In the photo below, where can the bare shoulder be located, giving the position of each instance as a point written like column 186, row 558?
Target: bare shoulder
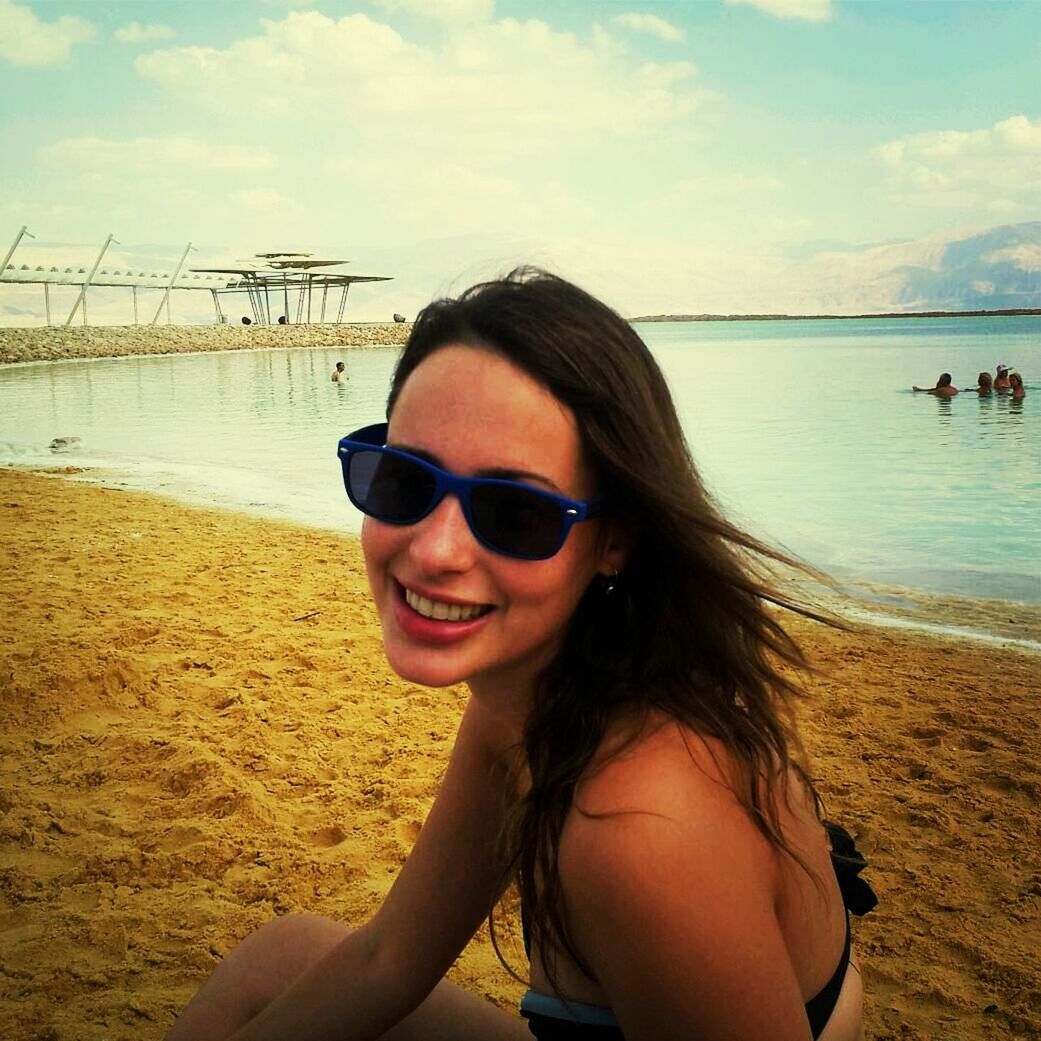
column 664, row 769
column 668, row 791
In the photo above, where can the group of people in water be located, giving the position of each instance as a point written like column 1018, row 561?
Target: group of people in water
column 1003, row 382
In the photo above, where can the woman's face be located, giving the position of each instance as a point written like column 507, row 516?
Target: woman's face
column 474, row 413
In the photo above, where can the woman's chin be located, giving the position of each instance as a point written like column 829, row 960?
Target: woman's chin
column 423, row 665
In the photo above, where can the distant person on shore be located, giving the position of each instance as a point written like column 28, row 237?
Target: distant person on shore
column 247, row 320
column 282, row 320
column 943, row 388
column 984, row 384
column 1016, row 386
column 1001, row 381
column 339, row 373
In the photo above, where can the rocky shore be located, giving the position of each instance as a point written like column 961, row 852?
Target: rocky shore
column 57, row 344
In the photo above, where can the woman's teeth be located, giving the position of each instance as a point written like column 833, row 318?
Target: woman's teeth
column 443, row 612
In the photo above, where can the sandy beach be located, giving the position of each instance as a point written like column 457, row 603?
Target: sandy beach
column 200, row 732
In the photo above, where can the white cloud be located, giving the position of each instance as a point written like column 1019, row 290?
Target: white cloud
column 308, row 57
column 135, row 32
column 1018, row 134
column 1026, row 256
column 806, row 10
column 448, row 11
column 506, row 86
column 151, row 156
column 26, row 41
column 650, row 23
column 997, row 168
column 353, row 129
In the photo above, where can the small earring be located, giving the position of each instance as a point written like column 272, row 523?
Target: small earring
column 609, row 586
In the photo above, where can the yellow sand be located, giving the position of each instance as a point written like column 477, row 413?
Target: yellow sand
column 199, row 732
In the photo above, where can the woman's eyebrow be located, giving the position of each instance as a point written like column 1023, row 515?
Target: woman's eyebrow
column 501, row 473
column 419, row 453
column 506, row 474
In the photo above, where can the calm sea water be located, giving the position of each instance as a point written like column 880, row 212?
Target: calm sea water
column 807, row 432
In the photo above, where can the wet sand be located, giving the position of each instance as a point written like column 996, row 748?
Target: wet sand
column 200, row 732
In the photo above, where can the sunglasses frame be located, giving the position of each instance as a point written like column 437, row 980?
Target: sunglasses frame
column 374, row 437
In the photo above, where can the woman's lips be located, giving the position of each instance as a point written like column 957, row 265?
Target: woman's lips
column 413, row 612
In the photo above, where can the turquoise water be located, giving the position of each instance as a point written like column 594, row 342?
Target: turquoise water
column 807, row 431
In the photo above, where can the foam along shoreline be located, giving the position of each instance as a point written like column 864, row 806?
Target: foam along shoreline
column 200, row 732
column 956, row 632
column 997, row 622
column 60, row 343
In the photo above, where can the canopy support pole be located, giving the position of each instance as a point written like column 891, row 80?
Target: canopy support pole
column 166, row 292
column 82, row 298
column 23, row 230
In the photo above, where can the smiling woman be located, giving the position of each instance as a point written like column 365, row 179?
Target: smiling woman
column 536, row 529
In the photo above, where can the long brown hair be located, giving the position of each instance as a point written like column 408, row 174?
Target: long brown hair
column 688, row 631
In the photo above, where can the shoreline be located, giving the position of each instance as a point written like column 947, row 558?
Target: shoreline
column 56, row 343
column 998, row 622
column 201, row 732
column 1010, row 312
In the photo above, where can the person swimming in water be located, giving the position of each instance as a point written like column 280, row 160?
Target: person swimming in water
column 1016, row 386
column 535, row 528
column 943, row 388
column 1001, row 380
column 984, row 384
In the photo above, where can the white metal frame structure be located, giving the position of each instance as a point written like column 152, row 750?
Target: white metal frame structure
column 285, row 274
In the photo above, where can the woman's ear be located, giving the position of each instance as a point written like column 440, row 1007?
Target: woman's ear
column 614, row 549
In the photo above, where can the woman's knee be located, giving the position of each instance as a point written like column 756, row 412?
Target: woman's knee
column 287, row 946
column 253, row 973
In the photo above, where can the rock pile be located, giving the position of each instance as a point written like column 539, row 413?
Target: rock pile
column 57, row 344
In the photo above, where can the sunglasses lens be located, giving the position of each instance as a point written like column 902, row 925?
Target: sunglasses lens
column 389, row 487
column 516, row 521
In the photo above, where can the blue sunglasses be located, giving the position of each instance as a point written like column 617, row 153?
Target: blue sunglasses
column 509, row 517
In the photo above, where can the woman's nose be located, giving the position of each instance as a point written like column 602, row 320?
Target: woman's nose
column 442, row 540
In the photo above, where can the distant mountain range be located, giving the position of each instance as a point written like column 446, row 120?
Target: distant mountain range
column 996, row 269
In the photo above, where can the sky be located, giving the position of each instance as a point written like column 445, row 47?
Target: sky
column 671, row 155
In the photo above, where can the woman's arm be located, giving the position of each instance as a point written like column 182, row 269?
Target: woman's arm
column 670, row 894
column 384, row 969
